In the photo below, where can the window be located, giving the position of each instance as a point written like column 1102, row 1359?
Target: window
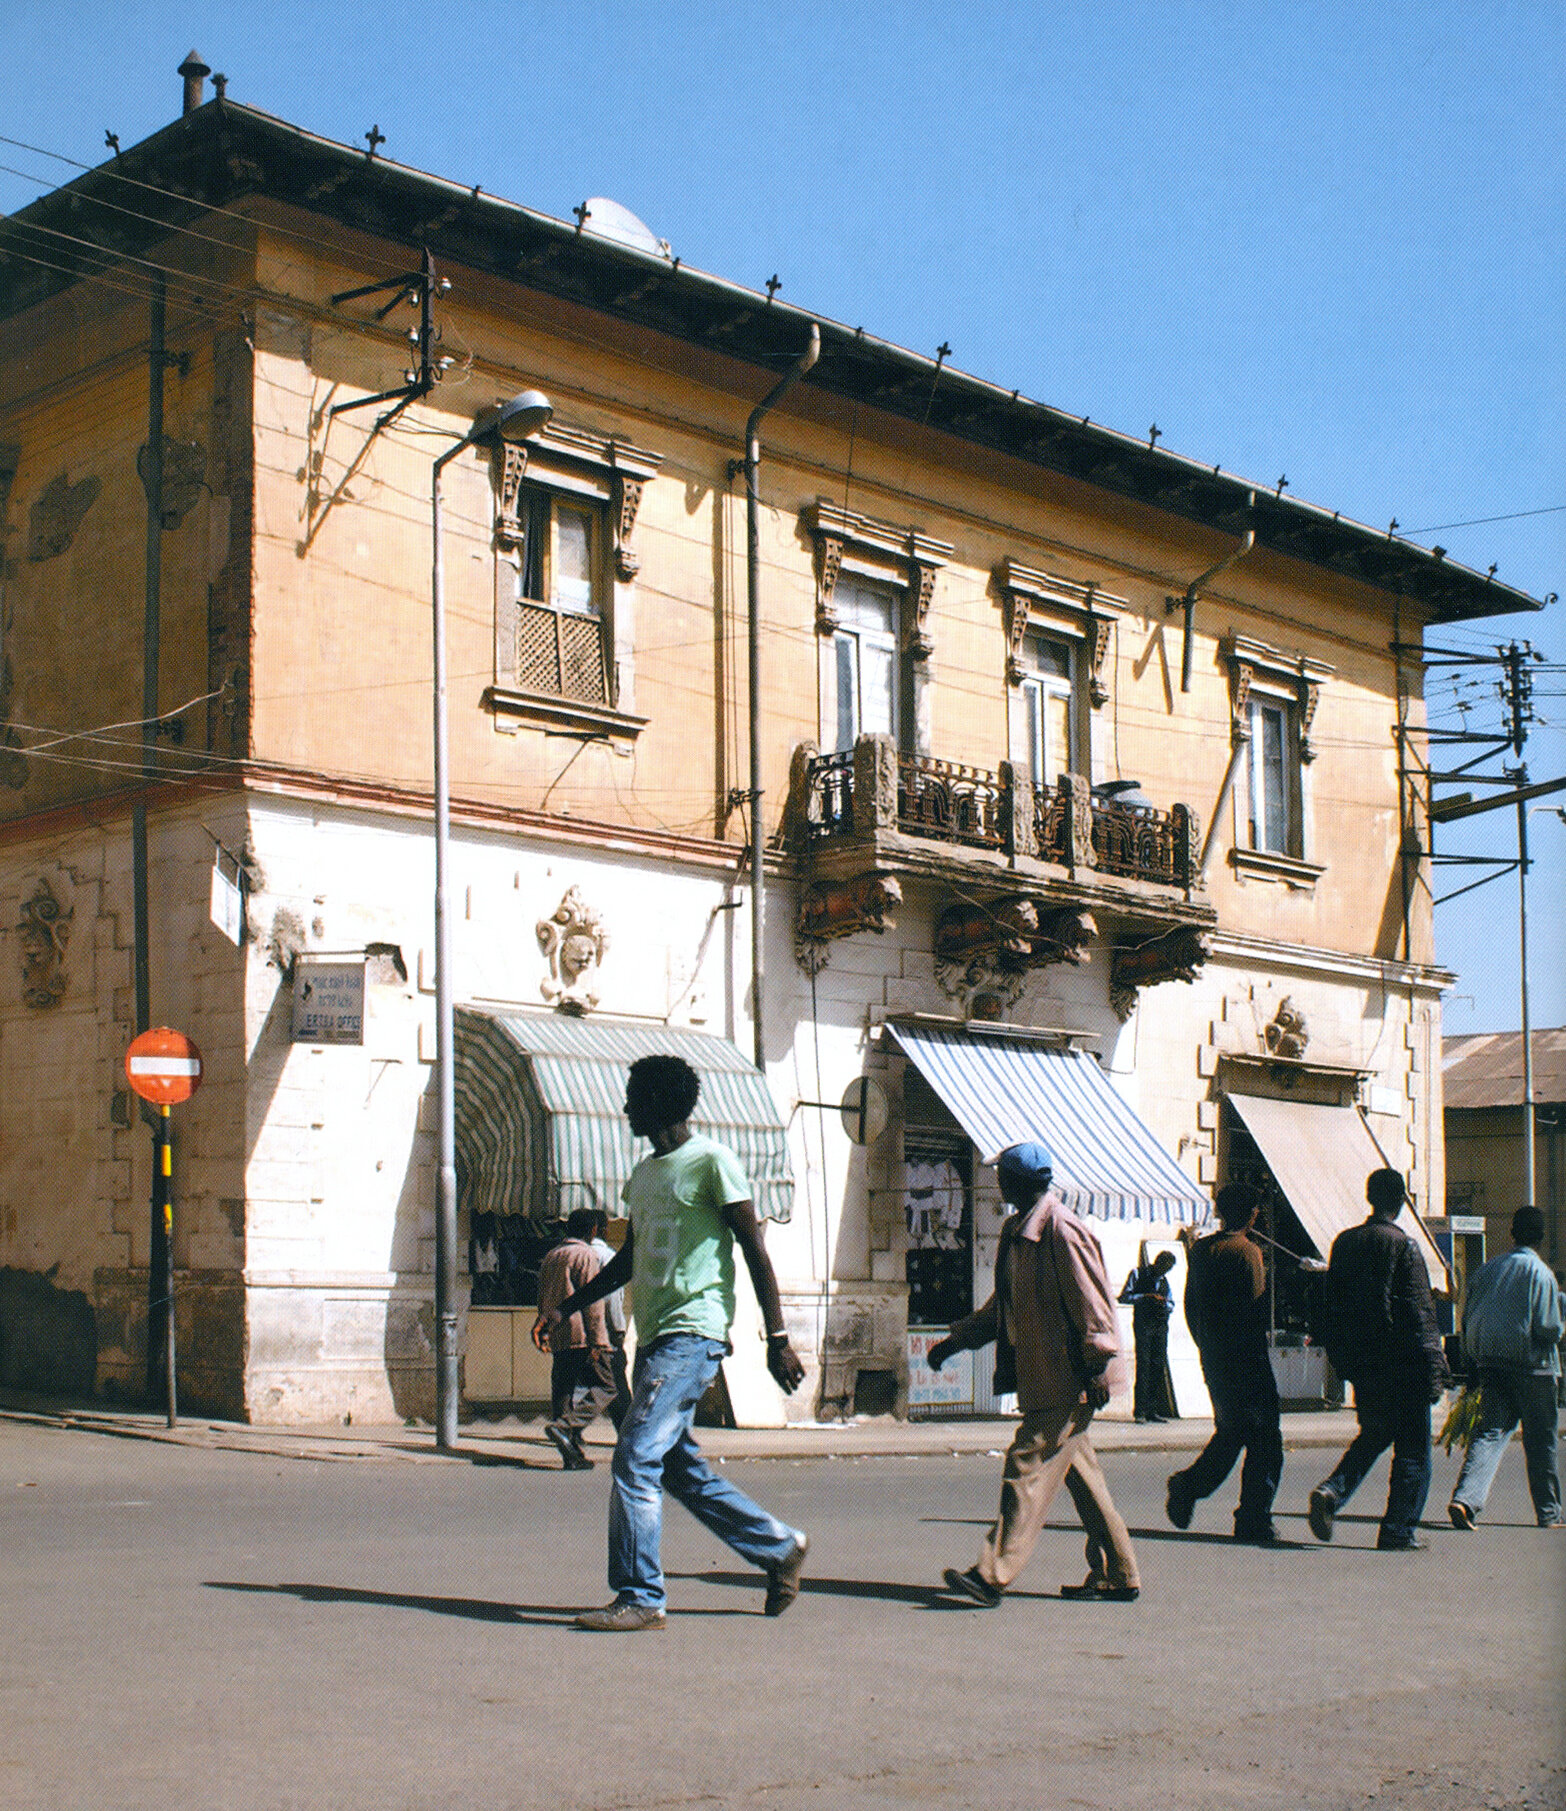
column 564, row 582
column 561, row 644
column 875, row 582
column 1273, row 697
column 1274, row 777
column 866, row 666
column 1058, row 634
column 1048, row 697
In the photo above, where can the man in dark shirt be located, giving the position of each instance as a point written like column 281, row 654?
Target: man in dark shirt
column 1382, row 1336
column 1226, row 1310
column 1148, row 1296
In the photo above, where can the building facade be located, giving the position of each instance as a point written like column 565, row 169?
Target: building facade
column 1086, row 793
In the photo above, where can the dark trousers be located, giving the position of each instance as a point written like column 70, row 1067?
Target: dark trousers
column 578, row 1393
column 1395, row 1414
column 1245, row 1418
column 1151, row 1394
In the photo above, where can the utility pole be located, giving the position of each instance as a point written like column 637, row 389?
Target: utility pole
column 1518, row 693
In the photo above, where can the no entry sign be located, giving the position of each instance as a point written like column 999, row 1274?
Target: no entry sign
column 163, row 1066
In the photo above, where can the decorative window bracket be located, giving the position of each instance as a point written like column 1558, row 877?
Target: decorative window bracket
column 1253, row 663
column 1042, row 601
column 903, row 556
column 592, row 465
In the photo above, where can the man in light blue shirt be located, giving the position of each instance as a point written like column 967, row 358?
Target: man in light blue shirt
column 1512, row 1324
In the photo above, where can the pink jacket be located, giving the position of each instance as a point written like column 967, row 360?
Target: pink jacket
column 564, row 1270
column 1055, row 1306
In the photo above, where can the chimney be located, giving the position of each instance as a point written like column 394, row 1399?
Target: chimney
column 195, row 73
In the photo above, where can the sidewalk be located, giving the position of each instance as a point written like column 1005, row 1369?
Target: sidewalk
column 521, row 1439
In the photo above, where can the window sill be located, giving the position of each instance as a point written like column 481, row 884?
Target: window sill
column 546, row 711
column 1265, row 864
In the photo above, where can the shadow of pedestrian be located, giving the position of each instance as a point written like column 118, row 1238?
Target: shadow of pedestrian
column 920, row 1597
column 1198, row 1538
column 472, row 1609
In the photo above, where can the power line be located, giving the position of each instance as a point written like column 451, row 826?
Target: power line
column 1520, row 515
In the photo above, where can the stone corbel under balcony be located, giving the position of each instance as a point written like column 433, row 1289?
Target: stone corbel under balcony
column 835, row 908
column 1177, row 955
column 991, row 947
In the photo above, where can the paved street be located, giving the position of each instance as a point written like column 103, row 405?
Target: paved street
column 201, row 1627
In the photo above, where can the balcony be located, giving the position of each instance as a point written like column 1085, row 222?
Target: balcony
column 916, row 812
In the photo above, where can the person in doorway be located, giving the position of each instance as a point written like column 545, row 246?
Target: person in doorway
column 1147, row 1294
column 1381, row 1336
column 1052, row 1319
column 581, row 1381
column 1226, row 1310
column 614, row 1317
column 1512, row 1327
column 689, row 1204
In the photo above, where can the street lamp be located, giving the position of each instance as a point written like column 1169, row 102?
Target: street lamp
column 519, row 419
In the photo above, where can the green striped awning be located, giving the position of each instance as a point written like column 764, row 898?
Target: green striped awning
column 541, row 1112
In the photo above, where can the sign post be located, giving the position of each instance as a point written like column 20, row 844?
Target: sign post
column 164, row 1067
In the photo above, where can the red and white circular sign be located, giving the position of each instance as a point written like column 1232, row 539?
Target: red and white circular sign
column 163, row 1066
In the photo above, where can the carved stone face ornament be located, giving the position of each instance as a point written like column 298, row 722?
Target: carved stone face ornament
column 574, row 941
column 43, row 932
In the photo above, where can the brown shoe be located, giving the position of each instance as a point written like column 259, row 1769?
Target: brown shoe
column 783, row 1578
column 622, row 1619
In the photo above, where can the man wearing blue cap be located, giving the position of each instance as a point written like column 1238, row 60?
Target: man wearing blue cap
column 1052, row 1318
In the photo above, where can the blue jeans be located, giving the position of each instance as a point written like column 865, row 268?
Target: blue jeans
column 1509, row 1395
column 656, row 1452
column 1396, row 1414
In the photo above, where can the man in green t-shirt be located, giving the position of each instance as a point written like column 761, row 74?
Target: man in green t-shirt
column 688, row 1204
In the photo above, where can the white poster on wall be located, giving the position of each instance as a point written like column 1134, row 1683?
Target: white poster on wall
column 329, row 1000
column 951, row 1387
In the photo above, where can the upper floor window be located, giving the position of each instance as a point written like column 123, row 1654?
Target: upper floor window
column 1048, row 696
column 564, row 585
column 1273, row 698
column 562, row 622
column 1274, row 816
column 1058, row 634
column 874, row 584
column 866, row 664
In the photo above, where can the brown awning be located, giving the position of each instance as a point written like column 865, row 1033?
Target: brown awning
column 1320, row 1156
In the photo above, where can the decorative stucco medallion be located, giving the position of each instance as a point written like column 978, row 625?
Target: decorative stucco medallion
column 574, row 942
column 43, row 931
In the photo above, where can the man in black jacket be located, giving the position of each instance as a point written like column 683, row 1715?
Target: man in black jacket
column 1382, row 1336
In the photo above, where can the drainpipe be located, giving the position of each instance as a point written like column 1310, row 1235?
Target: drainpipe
column 752, row 590
column 1188, row 602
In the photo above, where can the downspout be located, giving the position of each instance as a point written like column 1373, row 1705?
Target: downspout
column 1188, row 602
column 752, row 588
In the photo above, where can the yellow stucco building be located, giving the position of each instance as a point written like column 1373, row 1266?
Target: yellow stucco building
column 1088, row 790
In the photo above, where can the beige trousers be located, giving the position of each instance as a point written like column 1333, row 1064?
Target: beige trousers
column 1049, row 1449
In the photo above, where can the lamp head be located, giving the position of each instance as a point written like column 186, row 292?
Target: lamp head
column 520, row 418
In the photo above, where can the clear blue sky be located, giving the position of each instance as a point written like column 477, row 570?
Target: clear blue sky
column 1322, row 241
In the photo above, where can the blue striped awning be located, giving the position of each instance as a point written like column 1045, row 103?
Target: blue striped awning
column 1005, row 1091
column 540, row 1102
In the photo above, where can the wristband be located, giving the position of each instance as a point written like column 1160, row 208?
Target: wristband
column 778, row 1338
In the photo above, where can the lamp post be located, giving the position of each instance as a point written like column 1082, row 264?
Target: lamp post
column 519, row 419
